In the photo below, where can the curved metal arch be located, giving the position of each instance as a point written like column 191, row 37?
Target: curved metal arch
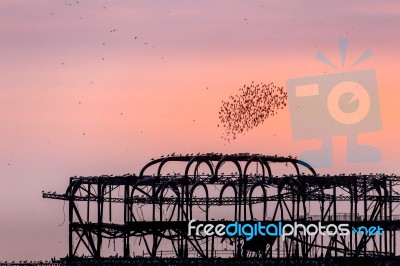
column 148, row 165
column 203, row 185
column 172, row 184
column 70, row 187
column 201, row 160
column 302, row 163
column 160, row 166
column 138, row 183
column 228, row 159
column 73, row 187
column 255, row 159
column 133, row 189
column 160, row 160
column 252, row 188
column 233, row 186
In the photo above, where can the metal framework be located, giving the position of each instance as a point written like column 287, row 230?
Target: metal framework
column 122, row 215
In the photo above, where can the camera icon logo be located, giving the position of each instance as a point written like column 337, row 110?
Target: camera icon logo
column 344, row 103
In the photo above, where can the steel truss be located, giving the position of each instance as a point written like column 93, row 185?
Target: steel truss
column 153, row 208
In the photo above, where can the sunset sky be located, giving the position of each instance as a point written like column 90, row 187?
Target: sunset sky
column 100, row 87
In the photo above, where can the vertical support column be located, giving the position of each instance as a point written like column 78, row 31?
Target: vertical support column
column 334, row 214
column 355, row 189
column 386, row 216
column 391, row 215
column 351, row 217
column 392, row 239
column 322, row 219
column 88, row 204
column 99, row 218
column 126, row 220
column 71, row 219
column 180, row 218
column 154, row 214
column 187, row 203
column 244, row 178
column 380, row 219
column 365, row 210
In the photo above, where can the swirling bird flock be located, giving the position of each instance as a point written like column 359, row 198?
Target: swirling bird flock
column 250, row 108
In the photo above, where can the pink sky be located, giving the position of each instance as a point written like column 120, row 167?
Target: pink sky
column 61, row 103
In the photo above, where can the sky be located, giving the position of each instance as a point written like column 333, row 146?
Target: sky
column 100, row 87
